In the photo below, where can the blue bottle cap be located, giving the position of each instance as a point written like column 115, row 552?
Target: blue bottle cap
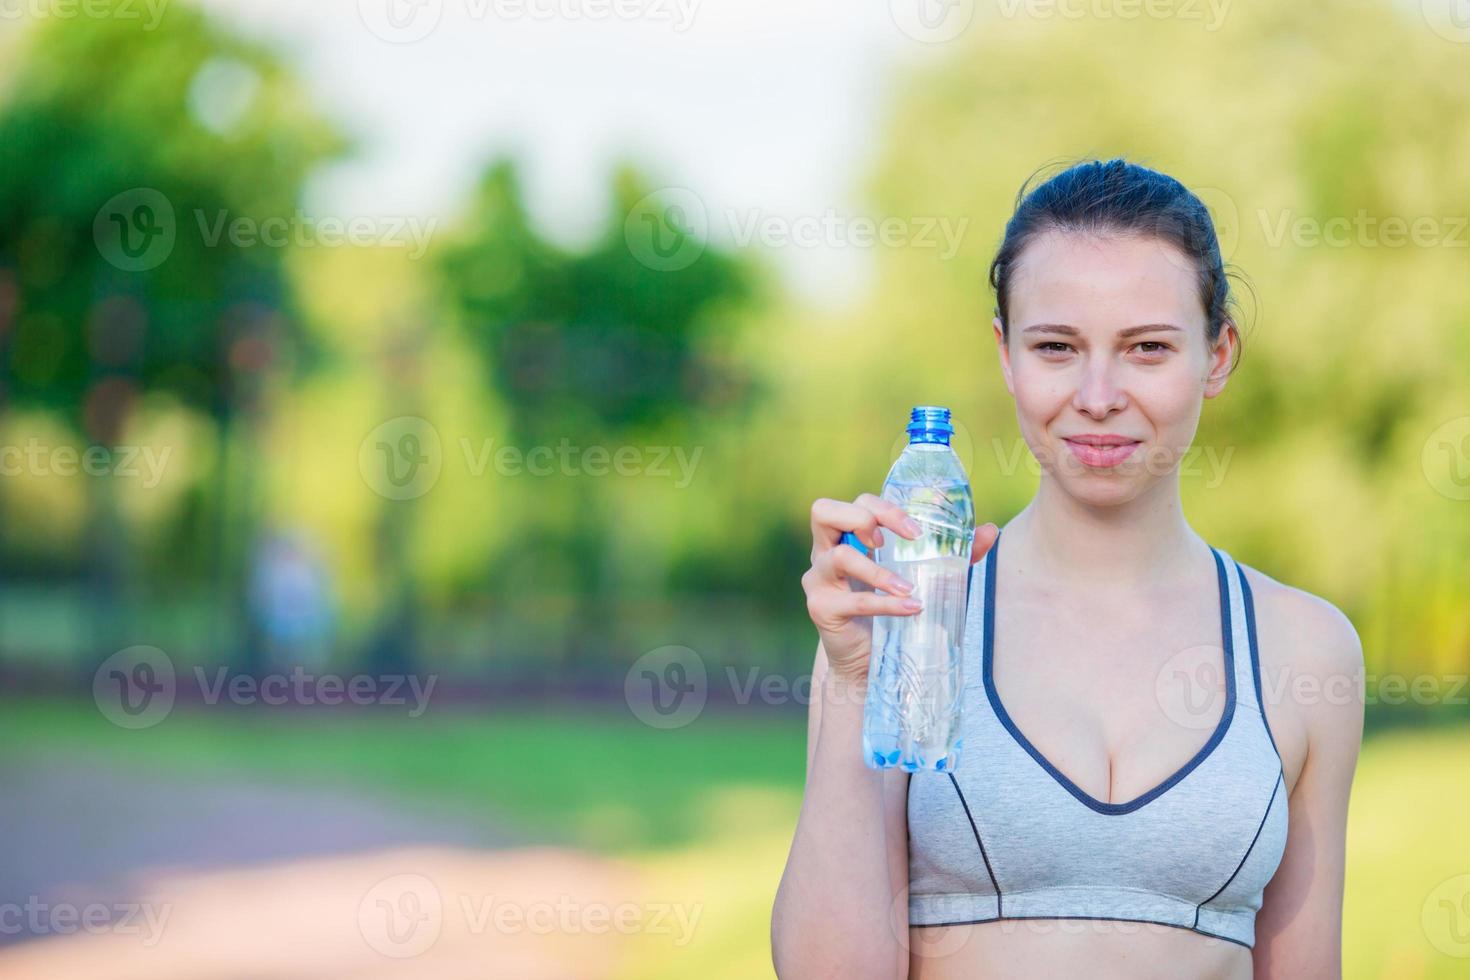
column 849, row 538
column 930, row 423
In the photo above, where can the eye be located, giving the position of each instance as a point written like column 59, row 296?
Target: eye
column 1050, row 345
column 1159, row 346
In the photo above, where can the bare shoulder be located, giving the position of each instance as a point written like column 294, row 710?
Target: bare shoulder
column 1311, row 660
column 1307, row 632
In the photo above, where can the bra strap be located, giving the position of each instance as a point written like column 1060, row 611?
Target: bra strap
column 1247, row 687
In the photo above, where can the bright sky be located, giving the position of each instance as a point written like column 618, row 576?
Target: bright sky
column 764, row 108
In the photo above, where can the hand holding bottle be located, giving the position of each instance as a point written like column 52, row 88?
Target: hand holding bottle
column 839, row 582
column 839, row 606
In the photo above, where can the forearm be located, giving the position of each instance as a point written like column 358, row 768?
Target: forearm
column 834, row 913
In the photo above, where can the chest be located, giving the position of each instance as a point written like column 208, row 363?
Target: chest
column 1116, row 694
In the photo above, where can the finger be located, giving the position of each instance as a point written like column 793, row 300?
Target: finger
column 852, row 564
column 890, row 514
column 850, row 605
column 831, row 517
column 985, row 536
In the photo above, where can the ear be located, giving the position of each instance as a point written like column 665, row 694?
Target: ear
column 1220, row 357
column 1005, row 354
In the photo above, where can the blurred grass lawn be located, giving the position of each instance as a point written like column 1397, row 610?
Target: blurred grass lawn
column 707, row 810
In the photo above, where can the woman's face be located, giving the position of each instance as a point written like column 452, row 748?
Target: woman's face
column 1107, row 339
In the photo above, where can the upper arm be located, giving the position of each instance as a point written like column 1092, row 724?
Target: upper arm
column 1299, row 925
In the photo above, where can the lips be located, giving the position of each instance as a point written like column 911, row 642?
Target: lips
column 1098, row 450
column 1101, row 440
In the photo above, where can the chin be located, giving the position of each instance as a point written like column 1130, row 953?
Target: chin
column 1101, row 492
column 1102, row 486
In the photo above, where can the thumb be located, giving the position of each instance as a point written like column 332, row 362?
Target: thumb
column 985, row 536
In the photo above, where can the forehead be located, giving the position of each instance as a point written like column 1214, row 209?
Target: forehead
column 1103, row 281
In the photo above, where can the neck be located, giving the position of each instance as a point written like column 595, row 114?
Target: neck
column 1141, row 544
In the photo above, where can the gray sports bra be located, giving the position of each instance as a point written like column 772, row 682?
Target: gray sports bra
column 1008, row 836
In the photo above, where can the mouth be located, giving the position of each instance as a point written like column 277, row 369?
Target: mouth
column 1101, row 451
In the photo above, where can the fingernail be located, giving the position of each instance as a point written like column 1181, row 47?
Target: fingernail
column 912, row 526
column 903, row 586
column 913, row 604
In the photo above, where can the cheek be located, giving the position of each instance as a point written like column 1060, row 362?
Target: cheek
column 1041, row 393
column 1038, row 406
column 1170, row 400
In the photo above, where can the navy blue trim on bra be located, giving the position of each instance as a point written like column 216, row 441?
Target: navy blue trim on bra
column 999, row 908
column 987, row 672
column 1259, row 827
column 1250, row 627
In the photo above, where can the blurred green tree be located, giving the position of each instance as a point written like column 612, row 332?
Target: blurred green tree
column 604, row 345
column 127, row 153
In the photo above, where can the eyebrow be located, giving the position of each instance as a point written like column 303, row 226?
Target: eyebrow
column 1071, row 331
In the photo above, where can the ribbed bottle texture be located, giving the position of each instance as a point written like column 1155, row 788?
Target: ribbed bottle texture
column 911, row 718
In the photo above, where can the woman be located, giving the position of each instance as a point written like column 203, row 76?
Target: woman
column 1159, row 742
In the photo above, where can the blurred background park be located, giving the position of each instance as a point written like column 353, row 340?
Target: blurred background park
column 392, row 391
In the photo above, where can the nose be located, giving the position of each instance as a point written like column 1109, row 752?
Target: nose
column 1098, row 394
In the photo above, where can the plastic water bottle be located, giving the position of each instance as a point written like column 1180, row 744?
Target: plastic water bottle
column 911, row 718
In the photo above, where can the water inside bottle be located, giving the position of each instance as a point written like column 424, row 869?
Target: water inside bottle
column 912, row 718
column 915, row 717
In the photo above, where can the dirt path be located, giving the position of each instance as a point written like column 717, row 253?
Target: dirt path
column 118, row 873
